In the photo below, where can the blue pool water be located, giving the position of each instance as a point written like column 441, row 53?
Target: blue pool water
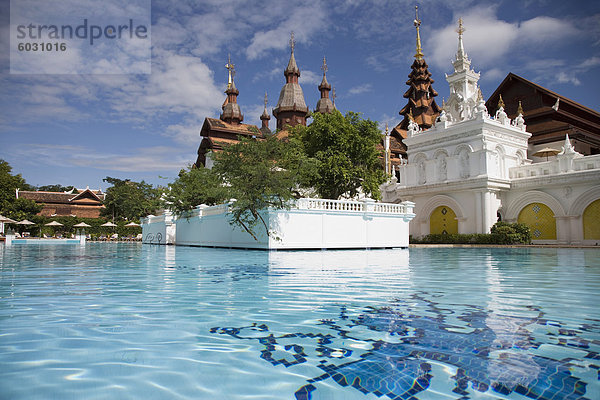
column 131, row 321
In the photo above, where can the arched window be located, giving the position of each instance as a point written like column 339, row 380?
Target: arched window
column 443, row 221
column 540, row 220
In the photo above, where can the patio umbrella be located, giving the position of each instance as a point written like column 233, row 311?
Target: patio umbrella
column 82, row 225
column 54, row 223
column 545, row 152
column 109, row 224
column 132, row 224
column 26, row 222
column 7, row 220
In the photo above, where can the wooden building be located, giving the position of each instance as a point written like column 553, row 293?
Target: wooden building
column 548, row 115
column 86, row 203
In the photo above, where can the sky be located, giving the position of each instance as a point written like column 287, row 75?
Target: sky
column 135, row 111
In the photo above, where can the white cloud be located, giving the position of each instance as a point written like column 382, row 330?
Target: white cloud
column 309, row 78
column 304, row 19
column 157, row 158
column 366, row 87
column 563, row 77
column 591, row 62
column 489, row 40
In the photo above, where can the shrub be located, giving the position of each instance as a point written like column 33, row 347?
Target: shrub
column 501, row 233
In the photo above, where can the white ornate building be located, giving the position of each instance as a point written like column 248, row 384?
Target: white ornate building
column 472, row 168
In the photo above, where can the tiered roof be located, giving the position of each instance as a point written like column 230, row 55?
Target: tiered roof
column 421, row 105
column 324, row 105
column 291, row 108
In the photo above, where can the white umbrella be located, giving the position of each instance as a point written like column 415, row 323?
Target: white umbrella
column 54, row 223
column 132, row 224
column 82, row 225
column 545, row 152
column 25, row 222
column 7, row 220
column 109, row 224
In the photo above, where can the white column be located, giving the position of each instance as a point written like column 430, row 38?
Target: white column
column 489, row 211
column 478, row 212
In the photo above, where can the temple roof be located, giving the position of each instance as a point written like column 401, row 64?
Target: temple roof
column 548, row 115
column 85, row 197
column 214, row 126
column 291, row 98
column 324, row 105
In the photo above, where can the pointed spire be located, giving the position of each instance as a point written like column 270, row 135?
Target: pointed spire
column 265, row 117
column 420, row 94
column 333, row 95
column 461, row 61
column 292, row 69
column 520, row 109
column 324, row 105
column 231, row 69
column 461, row 50
column 265, row 114
column 291, row 108
column 417, row 22
column 231, row 110
column 500, row 102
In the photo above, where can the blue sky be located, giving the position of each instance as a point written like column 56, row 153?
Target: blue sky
column 76, row 129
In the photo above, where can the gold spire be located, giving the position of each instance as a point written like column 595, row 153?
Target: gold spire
column 333, row 95
column 231, row 68
column 265, row 100
column 410, row 116
column 460, row 29
column 500, row 102
column 520, row 109
column 419, row 54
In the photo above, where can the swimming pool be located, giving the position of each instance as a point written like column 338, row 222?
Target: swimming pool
column 131, row 321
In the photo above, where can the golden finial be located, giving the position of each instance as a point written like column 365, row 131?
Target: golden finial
column 333, row 95
column 410, row 116
column 479, row 95
column 231, row 68
column 386, row 129
column 460, row 29
column 324, row 66
column 265, row 100
column 500, row 102
column 292, row 41
column 419, row 54
column 520, row 109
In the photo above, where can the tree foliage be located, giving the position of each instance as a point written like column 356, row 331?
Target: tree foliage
column 128, row 200
column 335, row 156
column 261, row 174
column 10, row 206
column 56, row 188
column 344, row 149
column 194, row 186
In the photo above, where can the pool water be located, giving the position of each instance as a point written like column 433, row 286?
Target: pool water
column 132, row 321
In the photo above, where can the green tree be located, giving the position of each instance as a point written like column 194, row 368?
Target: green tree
column 261, row 174
column 128, row 200
column 193, row 187
column 10, row 206
column 55, row 188
column 344, row 148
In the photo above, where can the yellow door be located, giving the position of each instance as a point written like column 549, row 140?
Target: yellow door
column 591, row 221
column 443, row 220
column 540, row 219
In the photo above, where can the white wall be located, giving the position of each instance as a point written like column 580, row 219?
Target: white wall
column 311, row 224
